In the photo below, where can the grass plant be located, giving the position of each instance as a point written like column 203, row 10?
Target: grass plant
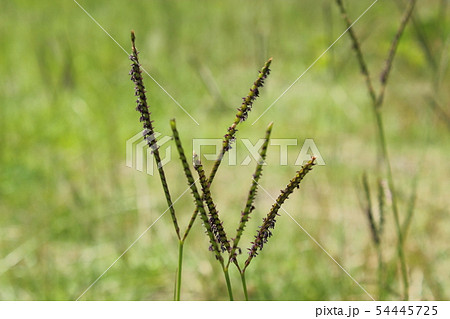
column 219, row 242
column 377, row 99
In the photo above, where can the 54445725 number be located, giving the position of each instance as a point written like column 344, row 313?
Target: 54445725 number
column 407, row 310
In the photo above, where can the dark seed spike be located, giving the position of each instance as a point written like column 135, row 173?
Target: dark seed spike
column 249, row 207
column 143, row 108
column 216, row 223
column 198, row 199
column 264, row 232
column 241, row 116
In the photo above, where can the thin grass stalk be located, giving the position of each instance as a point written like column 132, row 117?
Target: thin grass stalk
column 179, row 270
column 377, row 102
column 380, row 272
column 381, row 207
column 369, row 212
column 149, row 132
column 264, row 232
column 175, row 287
column 411, row 208
column 244, row 284
column 439, row 109
column 228, row 281
column 400, row 242
column 249, row 207
column 243, row 281
column 191, row 181
column 214, row 246
column 358, row 51
column 384, row 79
column 437, row 65
column 393, row 49
column 376, row 231
column 381, row 220
column 423, row 41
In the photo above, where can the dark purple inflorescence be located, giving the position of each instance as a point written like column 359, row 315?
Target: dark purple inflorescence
column 148, row 132
column 246, row 105
column 142, row 106
column 264, row 232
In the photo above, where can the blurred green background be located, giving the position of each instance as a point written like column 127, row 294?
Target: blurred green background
column 69, row 206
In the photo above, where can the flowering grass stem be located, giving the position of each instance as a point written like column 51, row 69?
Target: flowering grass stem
column 149, row 132
column 377, row 101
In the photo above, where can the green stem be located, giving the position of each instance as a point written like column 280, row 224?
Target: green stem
column 377, row 102
column 244, row 285
column 400, row 248
column 380, row 274
column 227, row 279
column 180, row 267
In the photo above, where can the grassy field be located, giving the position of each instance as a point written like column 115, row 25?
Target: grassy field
column 69, row 206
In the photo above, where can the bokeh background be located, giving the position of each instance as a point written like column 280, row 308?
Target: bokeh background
column 70, row 206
